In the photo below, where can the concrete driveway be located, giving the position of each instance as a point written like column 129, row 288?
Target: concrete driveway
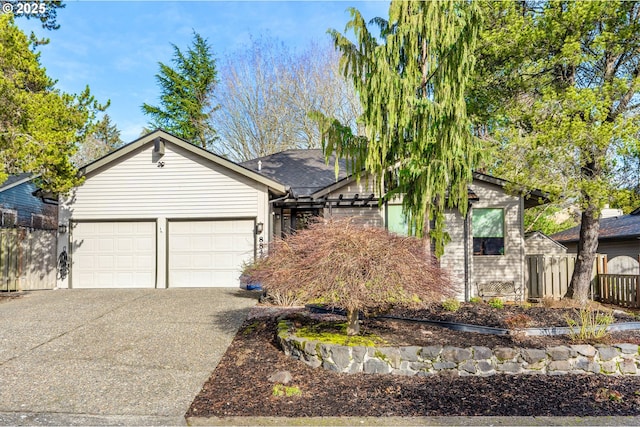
column 112, row 357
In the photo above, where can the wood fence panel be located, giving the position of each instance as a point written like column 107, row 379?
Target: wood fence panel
column 619, row 289
column 28, row 259
column 548, row 276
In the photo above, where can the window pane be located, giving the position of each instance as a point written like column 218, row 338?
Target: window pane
column 396, row 221
column 488, row 222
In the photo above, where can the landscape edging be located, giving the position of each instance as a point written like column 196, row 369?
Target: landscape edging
column 615, row 359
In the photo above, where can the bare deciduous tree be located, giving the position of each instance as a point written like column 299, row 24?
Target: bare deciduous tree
column 266, row 92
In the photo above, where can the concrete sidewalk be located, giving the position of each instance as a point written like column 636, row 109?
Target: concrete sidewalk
column 112, row 357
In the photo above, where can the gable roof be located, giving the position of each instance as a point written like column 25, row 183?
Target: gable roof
column 617, row 227
column 163, row 136
column 15, row 180
column 540, row 234
column 303, row 170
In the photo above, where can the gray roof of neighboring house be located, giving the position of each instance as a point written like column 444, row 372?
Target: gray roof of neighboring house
column 617, row 227
column 303, row 170
column 14, row 180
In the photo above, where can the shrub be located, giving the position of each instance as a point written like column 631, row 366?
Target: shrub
column 496, row 303
column 591, row 324
column 352, row 267
column 451, row 304
column 518, row 321
column 475, row 300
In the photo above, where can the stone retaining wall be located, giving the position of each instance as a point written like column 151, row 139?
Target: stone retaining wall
column 617, row 359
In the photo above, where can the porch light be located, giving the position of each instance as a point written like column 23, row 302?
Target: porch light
column 62, row 228
column 259, row 228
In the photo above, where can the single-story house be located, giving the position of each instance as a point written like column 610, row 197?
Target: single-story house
column 486, row 246
column 23, row 204
column 618, row 238
column 160, row 212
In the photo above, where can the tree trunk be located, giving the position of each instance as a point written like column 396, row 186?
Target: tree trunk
column 587, row 249
column 353, row 325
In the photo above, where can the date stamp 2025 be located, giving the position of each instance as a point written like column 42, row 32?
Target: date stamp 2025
column 24, row 7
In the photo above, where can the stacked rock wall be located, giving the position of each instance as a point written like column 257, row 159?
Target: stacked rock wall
column 617, row 359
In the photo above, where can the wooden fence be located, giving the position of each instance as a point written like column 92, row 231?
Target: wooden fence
column 618, row 289
column 27, row 259
column 548, row 276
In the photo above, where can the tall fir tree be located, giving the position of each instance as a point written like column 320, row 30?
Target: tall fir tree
column 186, row 99
column 411, row 83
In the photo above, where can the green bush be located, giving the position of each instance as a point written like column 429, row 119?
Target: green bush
column 475, row 300
column 451, row 304
column 496, row 303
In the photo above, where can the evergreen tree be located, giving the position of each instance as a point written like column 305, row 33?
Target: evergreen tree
column 39, row 125
column 411, row 83
column 558, row 95
column 186, row 100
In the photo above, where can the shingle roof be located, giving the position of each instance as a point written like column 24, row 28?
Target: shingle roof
column 618, row 227
column 305, row 171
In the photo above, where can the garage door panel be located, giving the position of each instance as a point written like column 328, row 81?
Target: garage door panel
column 113, row 255
column 209, row 253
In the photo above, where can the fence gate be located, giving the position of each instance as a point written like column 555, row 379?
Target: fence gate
column 27, row 259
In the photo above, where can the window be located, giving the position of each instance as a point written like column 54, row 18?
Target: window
column 488, row 231
column 8, row 218
column 396, row 221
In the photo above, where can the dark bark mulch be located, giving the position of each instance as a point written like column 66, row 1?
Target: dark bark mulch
column 240, row 387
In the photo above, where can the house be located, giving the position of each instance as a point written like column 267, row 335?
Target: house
column 487, row 246
column 618, row 238
column 538, row 243
column 23, row 204
column 160, row 212
column 28, row 233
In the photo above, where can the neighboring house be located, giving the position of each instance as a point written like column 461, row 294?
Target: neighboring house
column 486, row 246
column 538, row 243
column 618, row 238
column 160, row 212
column 22, row 204
column 28, row 233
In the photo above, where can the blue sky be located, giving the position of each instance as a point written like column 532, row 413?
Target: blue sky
column 114, row 46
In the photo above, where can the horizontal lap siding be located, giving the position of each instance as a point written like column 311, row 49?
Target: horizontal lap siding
column 187, row 186
column 510, row 266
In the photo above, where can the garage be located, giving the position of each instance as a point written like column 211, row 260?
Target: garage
column 113, row 254
column 160, row 212
column 209, row 253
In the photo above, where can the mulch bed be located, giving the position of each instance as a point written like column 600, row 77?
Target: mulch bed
column 240, row 387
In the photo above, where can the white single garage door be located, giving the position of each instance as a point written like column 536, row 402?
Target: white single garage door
column 113, row 255
column 209, row 253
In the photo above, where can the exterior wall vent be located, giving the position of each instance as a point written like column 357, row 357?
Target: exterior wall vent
column 158, row 146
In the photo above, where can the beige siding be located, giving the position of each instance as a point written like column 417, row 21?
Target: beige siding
column 537, row 244
column 187, row 186
column 135, row 187
column 453, row 259
column 510, row 266
column 372, row 216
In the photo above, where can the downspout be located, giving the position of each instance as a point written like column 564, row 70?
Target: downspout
column 467, row 284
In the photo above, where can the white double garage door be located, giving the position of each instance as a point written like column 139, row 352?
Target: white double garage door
column 126, row 254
